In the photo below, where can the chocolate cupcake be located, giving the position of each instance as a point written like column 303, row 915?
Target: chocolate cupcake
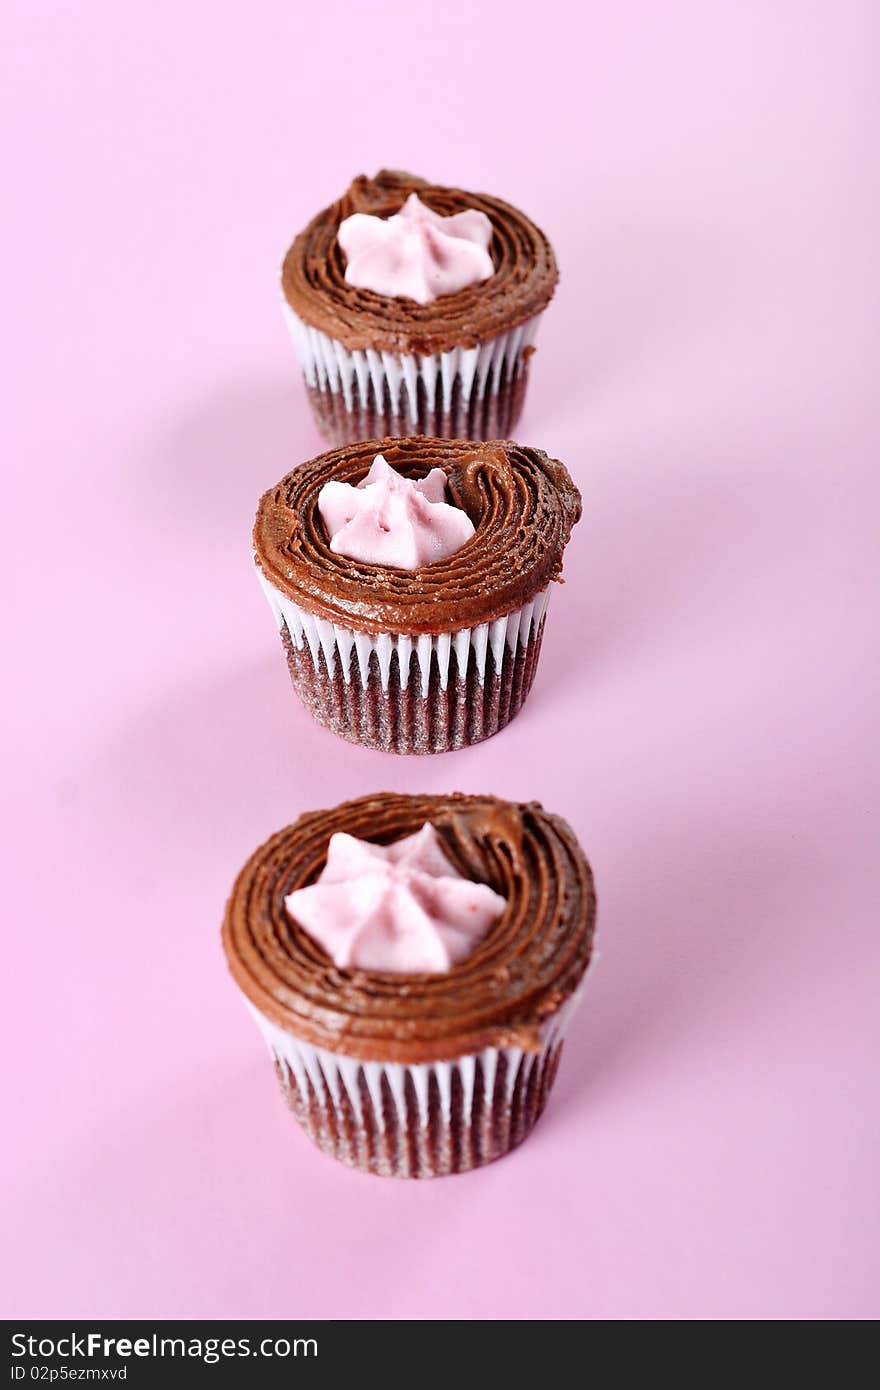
column 414, row 308
column 413, row 963
column 410, row 579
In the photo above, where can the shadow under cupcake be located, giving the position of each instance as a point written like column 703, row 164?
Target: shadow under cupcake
column 410, row 581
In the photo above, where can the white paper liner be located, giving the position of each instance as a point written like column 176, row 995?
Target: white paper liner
column 328, row 366
column 501, row 637
column 322, row 1085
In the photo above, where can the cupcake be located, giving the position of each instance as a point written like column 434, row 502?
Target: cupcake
column 413, row 963
column 410, row 579
column 414, row 308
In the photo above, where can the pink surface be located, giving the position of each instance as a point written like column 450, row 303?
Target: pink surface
column 704, row 716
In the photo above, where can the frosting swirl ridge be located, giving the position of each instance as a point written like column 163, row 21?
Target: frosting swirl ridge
column 313, row 274
column 527, row 966
column 522, row 504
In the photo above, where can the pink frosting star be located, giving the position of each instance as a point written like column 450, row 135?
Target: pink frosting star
column 391, row 520
column 402, row 908
column 416, row 253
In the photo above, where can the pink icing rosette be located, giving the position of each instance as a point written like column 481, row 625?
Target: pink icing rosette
column 416, row 253
column 402, row 908
column 388, row 519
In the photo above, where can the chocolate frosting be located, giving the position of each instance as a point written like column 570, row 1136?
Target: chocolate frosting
column 313, row 274
column 522, row 503
column 528, row 965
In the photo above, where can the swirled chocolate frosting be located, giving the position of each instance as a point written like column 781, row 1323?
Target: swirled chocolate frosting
column 314, row 284
column 528, row 965
column 522, row 503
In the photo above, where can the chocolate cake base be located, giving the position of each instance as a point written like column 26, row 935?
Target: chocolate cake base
column 447, row 1143
column 495, row 416
column 402, row 720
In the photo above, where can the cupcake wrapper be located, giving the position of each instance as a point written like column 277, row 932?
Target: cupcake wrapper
column 466, row 393
column 401, row 694
column 421, row 1120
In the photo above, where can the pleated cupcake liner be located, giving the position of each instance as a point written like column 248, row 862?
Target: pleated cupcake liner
column 465, row 393
column 402, row 694
column 418, row 1120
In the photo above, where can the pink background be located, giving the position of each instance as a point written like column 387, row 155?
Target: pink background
column 705, row 713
